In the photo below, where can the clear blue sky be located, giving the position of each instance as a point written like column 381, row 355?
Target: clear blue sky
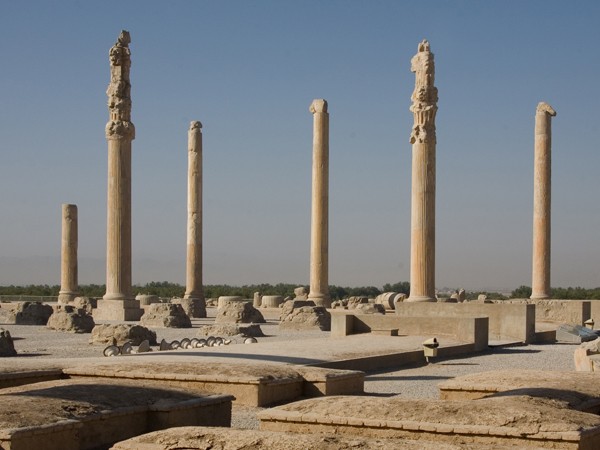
column 248, row 70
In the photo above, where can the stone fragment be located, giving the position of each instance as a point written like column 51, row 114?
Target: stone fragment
column 166, row 315
column 300, row 293
column 212, row 302
column 592, row 346
column 296, row 315
column 71, row 319
column 230, row 329
column 7, row 347
column 271, row 301
column 257, row 300
column 144, row 347
column 482, row 297
column 146, row 299
column 582, row 360
column 192, row 306
column 238, row 312
column 389, row 299
column 122, row 333
column 368, row 308
column 25, row 313
column 462, row 295
column 86, row 303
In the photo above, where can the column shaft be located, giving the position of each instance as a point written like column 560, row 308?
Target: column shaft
column 319, row 239
column 68, row 255
column 540, row 283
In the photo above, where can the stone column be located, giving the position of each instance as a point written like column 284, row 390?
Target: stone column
column 194, row 291
column 68, row 255
column 540, row 283
column 118, row 303
column 422, row 242
column 319, row 238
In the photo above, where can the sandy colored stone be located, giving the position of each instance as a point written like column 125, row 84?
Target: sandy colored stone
column 368, row 308
column 238, row 312
column 68, row 255
column 542, row 169
column 271, row 301
column 582, row 361
column 389, row 299
column 165, row 315
column 423, row 140
column 146, row 299
column 192, row 306
column 319, row 228
column 305, row 317
column 230, row 329
column 71, row 319
column 121, row 333
column 86, row 303
column 300, row 293
column 7, row 347
column 25, row 313
column 203, row 438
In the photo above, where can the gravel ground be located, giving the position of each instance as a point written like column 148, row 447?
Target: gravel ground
column 36, row 345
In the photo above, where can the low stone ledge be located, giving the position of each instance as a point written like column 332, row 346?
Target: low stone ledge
column 84, row 414
column 579, row 390
column 20, row 378
column 513, row 421
column 200, row 438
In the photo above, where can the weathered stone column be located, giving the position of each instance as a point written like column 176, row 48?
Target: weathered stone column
column 194, row 291
column 118, row 302
column 542, row 170
column 319, row 237
column 68, row 255
column 422, row 242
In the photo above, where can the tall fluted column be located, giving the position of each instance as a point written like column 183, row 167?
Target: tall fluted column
column 194, row 291
column 319, row 238
column 68, row 255
column 540, row 283
column 118, row 302
column 422, row 243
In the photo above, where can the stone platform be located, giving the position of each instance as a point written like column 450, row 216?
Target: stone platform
column 87, row 414
column 250, row 384
column 201, row 438
column 20, row 378
column 581, row 390
column 517, row 421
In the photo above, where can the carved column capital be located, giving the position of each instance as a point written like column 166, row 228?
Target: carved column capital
column 119, row 125
column 318, row 106
column 425, row 96
column 544, row 107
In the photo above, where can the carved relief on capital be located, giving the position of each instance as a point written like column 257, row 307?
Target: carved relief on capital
column 119, row 129
column 195, row 125
column 119, row 89
column 544, row 107
column 425, row 96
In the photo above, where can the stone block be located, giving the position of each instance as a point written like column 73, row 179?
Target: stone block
column 70, row 319
column 25, row 313
column 165, row 315
column 236, row 311
column 119, row 334
column 7, row 347
column 231, row 329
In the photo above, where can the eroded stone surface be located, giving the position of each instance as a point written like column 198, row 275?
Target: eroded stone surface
column 230, row 329
column 86, row 303
column 368, row 308
column 202, row 438
column 121, row 333
column 7, row 347
column 167, row 315
column 71, row 319
column 300, row 315
column 238, row 312
column 25, row 313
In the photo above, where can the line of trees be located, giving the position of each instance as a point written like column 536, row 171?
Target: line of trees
column 167, row 289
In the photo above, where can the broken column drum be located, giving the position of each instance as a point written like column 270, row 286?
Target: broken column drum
column 540, row 283
column 118, row 302
column 423, row 140
column 68, row 255
column 194, row 290
column 319, row 238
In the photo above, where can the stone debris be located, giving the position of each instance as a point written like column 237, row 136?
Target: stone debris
column 146, row 299
column 201, row 438
column 368, row 308
column 389, row 299
column 238, row 312
column 166, row 315
column 71, row 319
column 271, row 301
column 303, row 315
column 25, row 313
column 193, row 307
column 86, row 303
column 7, row 347
column 300, row 293
column 257, row 300
column 122, row 333
column 230, row 329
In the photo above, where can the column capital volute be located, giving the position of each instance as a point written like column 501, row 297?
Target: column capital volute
column 318, row 105
column 545, row 108
column 195, row 125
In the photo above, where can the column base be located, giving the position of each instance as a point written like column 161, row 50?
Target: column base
column 320, row 300
column 198, row 307
column 123, row 310
column 65, row 297
column 540, row 297
column 420, row 298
